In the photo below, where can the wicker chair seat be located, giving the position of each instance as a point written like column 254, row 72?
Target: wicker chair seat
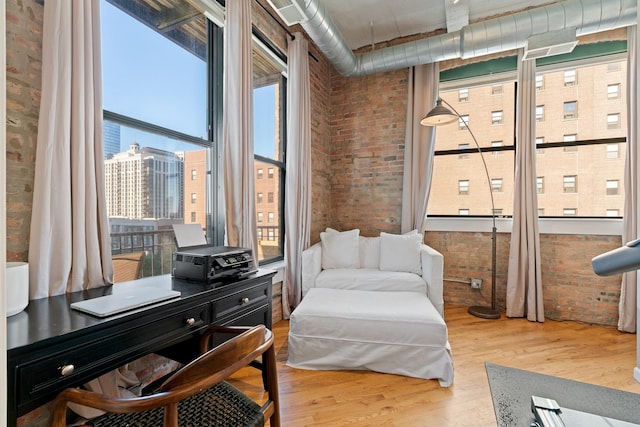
column 222, row 405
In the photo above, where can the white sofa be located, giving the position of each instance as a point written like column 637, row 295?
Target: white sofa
column 373, row 303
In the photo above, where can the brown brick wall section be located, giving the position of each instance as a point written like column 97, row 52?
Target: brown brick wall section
column 572, row 291
column 367, row 155
column 24, row 68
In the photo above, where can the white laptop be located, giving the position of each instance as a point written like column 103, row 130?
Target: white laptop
column 119, row 302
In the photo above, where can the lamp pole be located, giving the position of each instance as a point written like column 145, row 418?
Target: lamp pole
column 439, row 116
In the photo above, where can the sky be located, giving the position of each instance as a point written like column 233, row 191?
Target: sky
column 150, row 78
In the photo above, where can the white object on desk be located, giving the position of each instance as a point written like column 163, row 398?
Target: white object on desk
column 17, row 287
column 119, row 302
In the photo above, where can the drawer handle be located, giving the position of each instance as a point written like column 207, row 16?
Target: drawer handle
column 191, row 321
column 67, row 370
column 245, row 300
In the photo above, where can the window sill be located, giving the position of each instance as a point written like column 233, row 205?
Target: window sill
column 584, row 226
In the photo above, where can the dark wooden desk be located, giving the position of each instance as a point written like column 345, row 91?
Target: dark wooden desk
column 49, row 336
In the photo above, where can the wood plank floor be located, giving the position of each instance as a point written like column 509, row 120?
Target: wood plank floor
column 592, row 354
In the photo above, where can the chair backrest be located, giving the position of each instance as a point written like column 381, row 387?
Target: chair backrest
column 127, row 267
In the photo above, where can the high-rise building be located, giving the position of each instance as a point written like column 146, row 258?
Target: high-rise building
column 145, row 183
column 111, row 139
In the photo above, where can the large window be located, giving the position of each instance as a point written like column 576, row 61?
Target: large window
column 162, row 73
column 269, row 143
column 580, row 137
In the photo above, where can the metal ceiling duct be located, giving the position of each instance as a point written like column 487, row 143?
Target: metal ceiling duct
column 494, row 35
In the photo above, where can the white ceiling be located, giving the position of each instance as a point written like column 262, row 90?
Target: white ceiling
column 362, row 22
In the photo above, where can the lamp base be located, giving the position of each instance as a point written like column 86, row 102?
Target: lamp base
column 484, row 312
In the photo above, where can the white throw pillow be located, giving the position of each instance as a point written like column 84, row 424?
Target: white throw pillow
column 400, row 252
column 340, row 249
column 370, row 252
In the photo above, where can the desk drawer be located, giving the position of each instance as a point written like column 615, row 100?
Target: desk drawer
column 81, row 360
column 239, row 301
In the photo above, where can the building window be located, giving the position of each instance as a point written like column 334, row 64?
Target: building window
column 260, row 217
column 463, row 95
column 613, row 121
column 193, row 217
column 539, row 141
column 270, row 197
column 612, row 187
column 497, row 212
column 463, row 147
column 539, row 82
column 540, row 211
column 496, row 90
column 569, row 138
column 496, row 144
column 570, row 183
column 569, row 212
column 259, row 173
column 540, row 185
column 462, row 120
column 463, row 186
column 496, row 117
column 570, row 78
column 613, row 213
column 540, row 113
column 463, row 212
column 259, row 197
column 194, row 174
column 496, row 184
column 613, row 91
column 270, row 173
column 613, row 151
column 270, row 217
column 570, row 110
column 259, row 234
column 271, row 234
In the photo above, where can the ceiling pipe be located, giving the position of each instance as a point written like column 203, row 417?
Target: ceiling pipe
column 491, row 36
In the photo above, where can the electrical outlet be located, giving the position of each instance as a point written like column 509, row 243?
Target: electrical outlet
column 476, row 283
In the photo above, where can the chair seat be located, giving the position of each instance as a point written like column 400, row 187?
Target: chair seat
column 222, row 405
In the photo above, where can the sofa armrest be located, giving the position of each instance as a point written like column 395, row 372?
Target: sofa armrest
column 432, row 273
column 311, row 266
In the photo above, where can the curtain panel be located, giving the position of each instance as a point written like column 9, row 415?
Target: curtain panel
column 70, row 247
column 419, row 146
column 524, row 279
column 628, row 292
column 297, row 215
column 237, row 128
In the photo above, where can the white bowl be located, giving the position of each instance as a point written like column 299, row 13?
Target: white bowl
column 17, row 287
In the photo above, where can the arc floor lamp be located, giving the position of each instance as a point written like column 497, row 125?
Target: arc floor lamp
column 441, row 115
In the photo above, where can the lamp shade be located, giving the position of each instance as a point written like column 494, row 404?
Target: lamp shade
column 439, row 115
column 17, row 287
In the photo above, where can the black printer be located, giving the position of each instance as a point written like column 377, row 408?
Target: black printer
column 211, row 263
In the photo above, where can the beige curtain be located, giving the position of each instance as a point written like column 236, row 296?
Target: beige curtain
column 237, row 128
column 524, row 282
column 297, row 216
column 628, row 291
column 69, row 248
column 423, row 83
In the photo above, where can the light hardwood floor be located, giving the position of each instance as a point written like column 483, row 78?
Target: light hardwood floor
column 592, row 354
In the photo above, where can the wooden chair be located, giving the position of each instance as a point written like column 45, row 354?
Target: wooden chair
column 196, row 394
column 127, row 266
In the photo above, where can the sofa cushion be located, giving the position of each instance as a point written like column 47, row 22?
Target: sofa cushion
column 340, row 249
column 368, row 279
column 400, row 252
column 370, row 252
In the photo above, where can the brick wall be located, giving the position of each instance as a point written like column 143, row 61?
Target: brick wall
column 572, row 291
column 24, row 63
